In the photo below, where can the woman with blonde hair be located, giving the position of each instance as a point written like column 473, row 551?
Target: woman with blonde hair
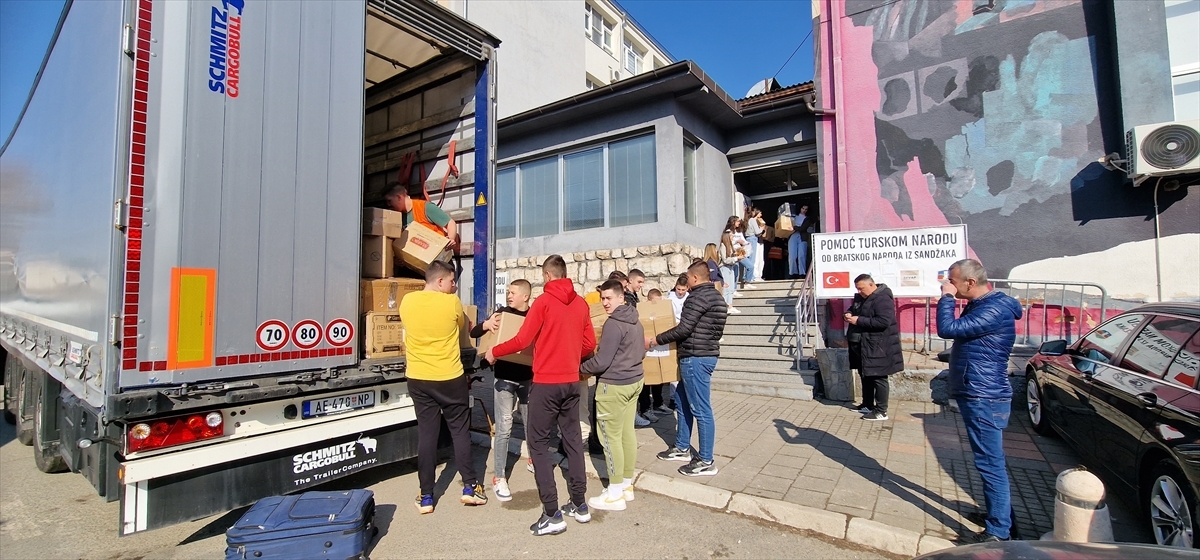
column 713, row 260
column 728, row 261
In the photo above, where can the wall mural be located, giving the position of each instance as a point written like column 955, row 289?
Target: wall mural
column 991, row 114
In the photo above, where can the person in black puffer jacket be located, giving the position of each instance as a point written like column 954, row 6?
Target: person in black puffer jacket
column 874, row 337
column 698, row 334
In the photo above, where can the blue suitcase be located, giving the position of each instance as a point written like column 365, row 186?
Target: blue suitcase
column 337, row 525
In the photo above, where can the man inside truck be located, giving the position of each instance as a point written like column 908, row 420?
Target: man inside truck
column 436, row 381
column 421, row 211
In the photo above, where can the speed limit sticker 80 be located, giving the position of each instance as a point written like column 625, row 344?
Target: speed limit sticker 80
column 272, row 335
column 306, row 334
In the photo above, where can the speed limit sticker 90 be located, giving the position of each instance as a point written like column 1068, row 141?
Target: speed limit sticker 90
column 306, row 334
column 272, row 335
column 339, row 332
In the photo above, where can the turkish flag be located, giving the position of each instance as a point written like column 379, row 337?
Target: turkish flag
column 836, row 280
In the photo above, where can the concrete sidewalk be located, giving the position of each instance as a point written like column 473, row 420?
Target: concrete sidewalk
column 912, row 472
column 902, row 485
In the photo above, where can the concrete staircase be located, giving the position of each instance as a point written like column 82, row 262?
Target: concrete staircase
column 758, row 356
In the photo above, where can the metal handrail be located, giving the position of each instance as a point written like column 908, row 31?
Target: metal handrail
column 806, row 315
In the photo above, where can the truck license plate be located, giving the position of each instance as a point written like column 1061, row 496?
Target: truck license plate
column 335, row 405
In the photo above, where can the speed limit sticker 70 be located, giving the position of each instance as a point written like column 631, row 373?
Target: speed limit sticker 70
column 339, row 332
column 272, row 335
column 306, row 334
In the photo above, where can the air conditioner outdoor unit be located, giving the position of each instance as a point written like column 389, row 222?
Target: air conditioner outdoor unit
column 1163, row 149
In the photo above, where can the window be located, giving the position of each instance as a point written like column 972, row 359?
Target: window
column 632, row 194
column 506, row 203
column 589, row 84
column 539, row 197
column 1186, row 367
column 689, row 182
column 633, row 58
column 1154, row 348
column 583, row 190
column 1102, row 343
column 609, row 185
column 598, row 29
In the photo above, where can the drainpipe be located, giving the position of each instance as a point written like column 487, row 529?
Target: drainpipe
column 832, row 57
column 1157, row 237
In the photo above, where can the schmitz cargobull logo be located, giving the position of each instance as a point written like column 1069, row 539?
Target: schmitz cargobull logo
column 333, row 460
column 225, row 47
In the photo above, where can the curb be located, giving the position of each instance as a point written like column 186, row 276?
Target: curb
column 857, row 530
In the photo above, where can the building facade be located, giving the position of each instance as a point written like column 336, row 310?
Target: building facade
column 999, row 115
column 546, row 55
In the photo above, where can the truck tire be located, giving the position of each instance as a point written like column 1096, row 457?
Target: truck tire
column 45, row 450
column 25, row 408
column 9, row 397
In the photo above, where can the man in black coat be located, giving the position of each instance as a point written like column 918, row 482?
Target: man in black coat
column 874, row 337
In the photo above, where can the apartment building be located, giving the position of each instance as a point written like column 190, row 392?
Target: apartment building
column 546, row 55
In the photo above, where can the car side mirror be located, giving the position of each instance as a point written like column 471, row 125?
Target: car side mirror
column 1053, row 348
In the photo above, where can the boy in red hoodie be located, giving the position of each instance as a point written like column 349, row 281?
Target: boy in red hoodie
column 560, row 326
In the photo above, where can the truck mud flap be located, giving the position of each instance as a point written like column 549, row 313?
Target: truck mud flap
column 187, row 496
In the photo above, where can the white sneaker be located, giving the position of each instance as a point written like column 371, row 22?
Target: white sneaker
column 734, row 310
column 640, row 421
column 500, row 487
column 627, row 493
column 529, row 465
column 603, row 502
column 748, row 286
column 737, row 294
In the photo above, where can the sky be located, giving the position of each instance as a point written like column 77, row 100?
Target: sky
column 737, row 42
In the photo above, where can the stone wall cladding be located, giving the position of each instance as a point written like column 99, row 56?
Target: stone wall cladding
column 662, row 264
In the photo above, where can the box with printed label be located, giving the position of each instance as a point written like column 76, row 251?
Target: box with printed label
column 510, row 324
column 662, row 362
column 383, row 335
column 420, row 245
column 378, row 221
column 385, row 294
column 377, row 256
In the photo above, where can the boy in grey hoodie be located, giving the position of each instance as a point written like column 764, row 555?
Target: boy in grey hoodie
column 618, row 367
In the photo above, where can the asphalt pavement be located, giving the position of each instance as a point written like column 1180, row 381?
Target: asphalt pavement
column 60, row 516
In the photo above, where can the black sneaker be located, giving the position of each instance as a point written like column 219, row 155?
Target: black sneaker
column 976, row 538
column 675, row 454
column 547, row 525
column 698, row 468
column 875, row 416
column 580, row 513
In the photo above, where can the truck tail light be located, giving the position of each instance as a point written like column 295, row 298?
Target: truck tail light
column 166, row 432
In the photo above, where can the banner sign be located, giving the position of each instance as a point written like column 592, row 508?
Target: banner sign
column 912, row 262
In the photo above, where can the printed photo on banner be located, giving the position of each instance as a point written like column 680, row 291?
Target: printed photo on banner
column 913, row 262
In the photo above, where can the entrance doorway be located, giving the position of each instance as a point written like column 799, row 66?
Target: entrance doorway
column 768, row 189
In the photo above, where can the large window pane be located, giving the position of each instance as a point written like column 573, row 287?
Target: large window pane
column 583, row 190
column 539, row 197
column 632, row 193
column 505, row 200
column 689, row 182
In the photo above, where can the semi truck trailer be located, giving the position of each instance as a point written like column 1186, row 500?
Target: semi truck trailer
column 181, row 236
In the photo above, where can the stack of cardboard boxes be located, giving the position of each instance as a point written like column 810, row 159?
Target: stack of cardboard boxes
column 386, row 243
column 661, row 364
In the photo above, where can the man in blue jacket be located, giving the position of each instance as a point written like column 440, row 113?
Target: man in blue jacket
column 983, row 339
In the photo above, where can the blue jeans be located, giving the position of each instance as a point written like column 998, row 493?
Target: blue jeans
column 747, row 264
column 985, row 420
column 694, row 404
column 509, row 397
column 797, row 255
column 729, row 278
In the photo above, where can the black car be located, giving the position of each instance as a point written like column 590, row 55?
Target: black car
column 1125, row 397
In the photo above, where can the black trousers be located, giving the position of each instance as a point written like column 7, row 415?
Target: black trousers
column 434, row 400
column 551, row 405
column 651, row 397
column 875, row 393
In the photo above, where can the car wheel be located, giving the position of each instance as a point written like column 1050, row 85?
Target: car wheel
column 1033, row 402
column 1172, row 507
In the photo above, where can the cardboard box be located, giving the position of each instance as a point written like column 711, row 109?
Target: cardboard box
column 420, row 245
column 383, row 335
column 662, row 362
column 385, row 295
column 510, row 324
column 377, row 221
column 599, row 316
column 464, row 333
column 377, row 257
